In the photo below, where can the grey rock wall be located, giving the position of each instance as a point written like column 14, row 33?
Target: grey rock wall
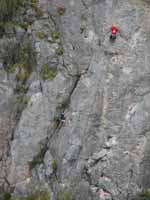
column 101, row 152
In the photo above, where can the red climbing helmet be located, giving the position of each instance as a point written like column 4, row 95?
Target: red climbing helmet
column 114, row 30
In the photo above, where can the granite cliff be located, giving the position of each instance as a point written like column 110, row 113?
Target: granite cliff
column 55, row 56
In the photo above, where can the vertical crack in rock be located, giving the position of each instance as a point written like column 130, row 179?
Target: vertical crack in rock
column 101, row 151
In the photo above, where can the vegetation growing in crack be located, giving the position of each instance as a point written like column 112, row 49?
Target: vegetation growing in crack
column 5, row 196
column 145, row 195
column 23, row 61
column 18, row 104
column 10, row 14
column 47, row 73
column 38, row 159
column 34, row 5
column 21, row 88
column 41, row 35
column 26, row 60
column 44, row 195
column 22, row 66
column 60, row 51
column 55, row 35
column 65, row 195
column 54, row 166
column 8, row 9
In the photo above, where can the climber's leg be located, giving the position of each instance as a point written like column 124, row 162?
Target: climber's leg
column 112, row 38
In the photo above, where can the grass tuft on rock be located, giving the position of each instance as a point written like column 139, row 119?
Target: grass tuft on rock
column 38, row 159
column 6, row 196
column 21, row 88
column 25, row 60
column 54, row 165
column 47, row 73
column 60, row 51
column 41, row 35
column 65, row 195
column 8, row 9
column 35, row 196
column 55, row 35
column 145, row 195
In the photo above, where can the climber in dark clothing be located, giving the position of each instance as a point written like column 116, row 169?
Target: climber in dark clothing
column 114, row 32
column 62, row 117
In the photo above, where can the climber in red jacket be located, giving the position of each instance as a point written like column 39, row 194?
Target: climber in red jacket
column 114, row 32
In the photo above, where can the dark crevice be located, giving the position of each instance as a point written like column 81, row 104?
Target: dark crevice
column 110, row 53
column 86, row 176
column 40, row 156
column 84, row 4
column 78, row 74
column 75, row 86
column 98, row 160
column 64, row 106
column 38, row 159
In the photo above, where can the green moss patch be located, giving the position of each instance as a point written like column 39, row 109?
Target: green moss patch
column 60, row 51
column 8, row 9
column 55, row 35
column 54, row 165
column 65, row 195
column 21, row 88
column 145, row 195
column 38, row 159
column 6, row 196
column 47, row 73
column 41, row 35
column 34, row 196
column 25, row 60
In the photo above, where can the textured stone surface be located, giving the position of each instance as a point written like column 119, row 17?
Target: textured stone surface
column 101, row 151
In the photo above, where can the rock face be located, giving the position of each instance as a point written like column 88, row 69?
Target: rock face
column 101, row 151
